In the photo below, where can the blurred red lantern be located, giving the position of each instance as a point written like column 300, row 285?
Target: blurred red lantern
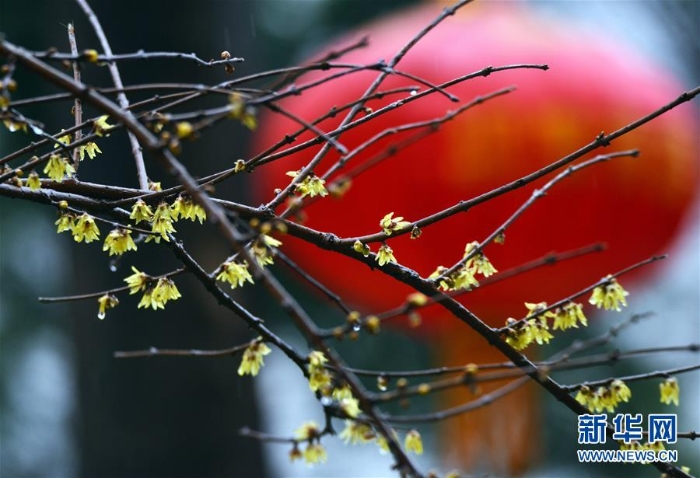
column 594, row 84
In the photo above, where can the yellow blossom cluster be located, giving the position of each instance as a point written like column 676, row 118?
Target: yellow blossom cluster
column 465, row 276
column 610, row 295
column 82, row 227
column 314, row 451
column 524, row 333
column 262, row 249
column 252, row 359
column 90, row 148
column 320, row 379
column 154, row 296
column 58, row 167
column 165, row 215
column 311, row 186
column 604, row 398
column 235, row 273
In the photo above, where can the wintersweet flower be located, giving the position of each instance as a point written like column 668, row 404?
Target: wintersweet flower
column 105, row 302
column 390, row 224
column 311, row 186
column 85, row 229
column 609, row 295
column 58, row 167
column 569, row 316
column 137, row 281
column 162, row 222
column 315, row 453
column 670, row 391
column 64, row 140
column 307, row 431
column 413, row 442
column 118, row 241
column 65, row 223
column 235, row 273
column 101, row 126
column 252, row 359
column 140, row 211
column 479, row 263
column 33, row 181
column 355, row 432
column 361, row 248
column 385, row 255
column 91, row 149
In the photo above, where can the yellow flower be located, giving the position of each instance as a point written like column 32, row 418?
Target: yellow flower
column 609, row 296
column 239, row 166
column 101, row 126
column 33, row 181
column 184, row 129
column 355, row 432
column 64, row 140
column 385, row 255
column 165, row 290
column 319, row 380
column 107, row 301
column 361, row 248
column 307, row 431
column 91, row 55
column 65, row 223
column 261, row 249
column 252, row 359
column 141, row 212
column 373, row 324
column 311, row 186
column 13, row 125
column 162, row 221
column 91, row 149
column 315, row 453
column 390, row 225
column 240, row 111
column 350, row 406
column 464, row 279
column 235, row 273
column 154, row 186
column 85, row 229
column 479, row 263
column 156, row 297
column 670, row 391
column 137, row 281
column 568, row 316
column 57, row 168
column 584, row 396
column 413, row 442
column 185, row 208
column 539, row 331
column 119, row 241
column 317, row 359
column 620, row 391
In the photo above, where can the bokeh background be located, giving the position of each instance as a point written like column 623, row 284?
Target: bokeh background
column 68, row 408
